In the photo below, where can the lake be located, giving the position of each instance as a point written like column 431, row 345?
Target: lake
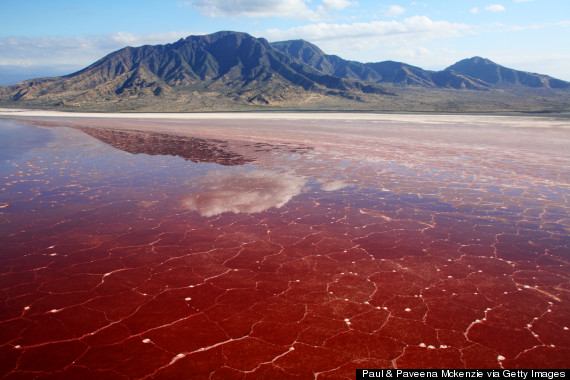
column 282, row 245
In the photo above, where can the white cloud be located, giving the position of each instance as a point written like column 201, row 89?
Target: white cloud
column 296, row 9
column 293, row 9
column 474, row 10
column 76, row 52
column 413, row 29
column 495, row 8
column 394, row 10
column 132, row 39
column 335, row 5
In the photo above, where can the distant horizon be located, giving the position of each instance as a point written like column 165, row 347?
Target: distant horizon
column 62, row 36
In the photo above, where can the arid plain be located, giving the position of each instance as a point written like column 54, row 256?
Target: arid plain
column 249, row 245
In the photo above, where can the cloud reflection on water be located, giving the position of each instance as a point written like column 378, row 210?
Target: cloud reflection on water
column 243, row 191
column 334, row 185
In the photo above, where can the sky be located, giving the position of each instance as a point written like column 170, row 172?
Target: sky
column 57, row 37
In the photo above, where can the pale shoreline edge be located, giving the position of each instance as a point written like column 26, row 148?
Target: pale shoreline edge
column 524, row 121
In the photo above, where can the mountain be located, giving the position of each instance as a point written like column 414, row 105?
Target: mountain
column 396, row 73
column 235, row 65
column 236, row 71
column 389, row 72
column 474, row 74
column 305, row 52
column 499, row 76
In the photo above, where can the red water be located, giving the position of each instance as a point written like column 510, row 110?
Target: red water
column 360, row 248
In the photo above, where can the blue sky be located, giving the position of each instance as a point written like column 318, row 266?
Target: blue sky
column 39, row 38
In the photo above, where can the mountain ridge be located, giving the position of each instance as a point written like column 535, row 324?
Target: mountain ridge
column 471, row 73
column 233, row 70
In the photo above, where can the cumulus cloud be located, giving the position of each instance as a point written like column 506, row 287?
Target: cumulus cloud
column 416, row 28
column 474, row 10
column 394, row 10
column 243, row 191
column 297, row 9
column 495, row 8
column 293, row 9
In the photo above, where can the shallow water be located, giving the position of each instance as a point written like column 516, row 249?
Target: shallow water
column 17, row 139
column 133, row 254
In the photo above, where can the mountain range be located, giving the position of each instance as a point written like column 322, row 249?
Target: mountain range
column 474, row 74
column 236, row 71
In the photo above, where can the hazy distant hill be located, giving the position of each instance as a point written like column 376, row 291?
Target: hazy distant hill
column 232, row 70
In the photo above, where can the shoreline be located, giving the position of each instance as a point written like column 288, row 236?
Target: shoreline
column 556, row 119
column 10, row 110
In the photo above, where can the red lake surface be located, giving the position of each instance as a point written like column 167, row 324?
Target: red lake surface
column 282, row 246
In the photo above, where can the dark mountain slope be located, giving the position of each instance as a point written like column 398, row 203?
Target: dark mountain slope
column 499, row 76
column 401, row 74
column 305, row 52
column 451, row 79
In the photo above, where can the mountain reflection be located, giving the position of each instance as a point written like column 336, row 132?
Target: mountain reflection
column 189, row 148
column 243, row 191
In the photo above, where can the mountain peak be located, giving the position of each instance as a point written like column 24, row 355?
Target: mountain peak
column 297, row 45
column 301, row 51
column 479, row 60
column 219, row 35
column 490, row 72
